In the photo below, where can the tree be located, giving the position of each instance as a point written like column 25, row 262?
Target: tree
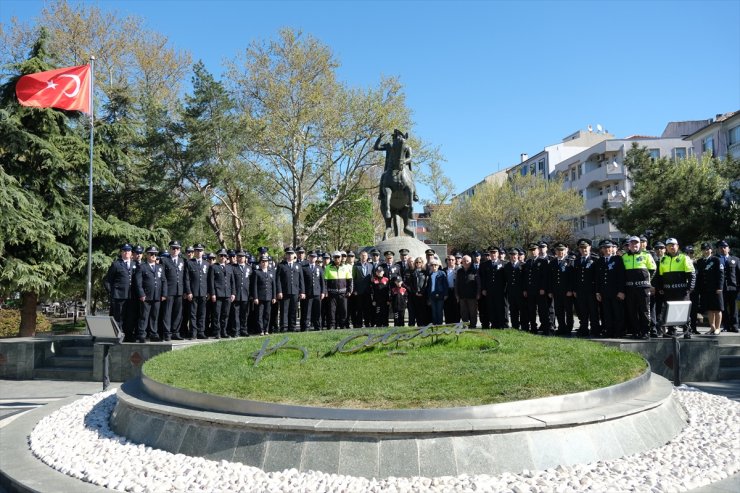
column 43, row 168
column 347, row 226
column 682, row 198
column 311, row 133
column 516, row 212
column 438, row 182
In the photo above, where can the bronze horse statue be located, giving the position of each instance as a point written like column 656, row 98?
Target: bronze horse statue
column 396, row 185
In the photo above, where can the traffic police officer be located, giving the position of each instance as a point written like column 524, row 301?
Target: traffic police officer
column 675, row 278
column 639, row 269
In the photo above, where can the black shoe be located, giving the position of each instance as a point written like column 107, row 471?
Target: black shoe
column 177, row 338
column 732, row 330
column 141, row 340
column 645, row 337
column 201, row 336
column 167, row 338
column 687, row 335
column 243, row 334
column 154, row 338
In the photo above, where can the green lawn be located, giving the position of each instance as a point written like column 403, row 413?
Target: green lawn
column 471, row 369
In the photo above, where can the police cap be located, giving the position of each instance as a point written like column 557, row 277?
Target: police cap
column 633, row 238
column 560, row 246
column 126, row 247
column 222, row 252
column 312, row 253
column 326, row 255
column 241, row 253
column 289, row 250
column 139, row 249
column 532, row 246
column 429, row 251
column 706, row 246
column 198, row 246
column 388, row 253
column 300, row 249
column 721, row 243
column 152, row 249
column 403, row 251
column 476, row 253
column 458, row 255
column 605, row 243
column 659, row 244
column 493, row 249
column 350, row 253
column 671, row 241
column 264, row 257
column 175, row 244
column 374, row 251
column 688, row 249
column 583, row 241
column 336, row 254
column 231, row 253
column 189, row 249
column 542, row 244
column 262, row 250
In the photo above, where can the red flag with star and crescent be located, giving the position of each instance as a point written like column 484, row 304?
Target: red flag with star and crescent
column 65, row 88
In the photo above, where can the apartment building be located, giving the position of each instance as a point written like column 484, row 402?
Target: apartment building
column 719, row 137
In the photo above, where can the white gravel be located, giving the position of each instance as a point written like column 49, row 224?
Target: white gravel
column 78, row 441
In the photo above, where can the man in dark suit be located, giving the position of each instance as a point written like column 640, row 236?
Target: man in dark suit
column 731, row 266
column 289, row 290
column 315, row 290
column 242, row 274
column 151, row 289
column 118, row 282
column 493, row 287
column 221, row 289
column 174, row 271
column 611, row 290
column 560, row 289
column 196, row 290
column 514, row 289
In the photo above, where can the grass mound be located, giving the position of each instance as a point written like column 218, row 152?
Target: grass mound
column 446, row 371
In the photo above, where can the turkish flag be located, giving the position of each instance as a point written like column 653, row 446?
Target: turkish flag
column 64, row 88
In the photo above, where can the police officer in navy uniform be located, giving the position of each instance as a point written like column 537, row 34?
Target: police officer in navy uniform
column 290, row 290
column 242, row 273
column 710, row 279
column 221, row 289
column 493, row 288
column 610, row 291
column 174, row 271
column 584, row 290
column 315, row 291
column 731, row 265
column 151, row 289
column 196, row 291
column 560, row 288
column 514, row 288
column 263, row 291
column 118, row 283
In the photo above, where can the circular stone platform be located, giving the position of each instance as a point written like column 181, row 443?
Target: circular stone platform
column 535, row 434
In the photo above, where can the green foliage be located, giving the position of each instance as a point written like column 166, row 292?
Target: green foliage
column 690, row 199
column 346, row 226
column 421, row 374
column 10, row 322
column 516, row 212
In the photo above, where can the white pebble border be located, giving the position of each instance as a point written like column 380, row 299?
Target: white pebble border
column 77, row 440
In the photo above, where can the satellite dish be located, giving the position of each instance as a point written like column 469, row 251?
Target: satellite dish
column 599, row 128
column 623, row 193
column 615, row 164
column 590, row 129
column 613, row 193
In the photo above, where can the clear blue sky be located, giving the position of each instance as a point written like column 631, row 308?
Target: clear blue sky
column 489, row 80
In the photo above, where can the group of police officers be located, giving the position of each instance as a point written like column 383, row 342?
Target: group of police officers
column 615, row 292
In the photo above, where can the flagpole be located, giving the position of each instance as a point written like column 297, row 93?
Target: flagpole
column 88, row 299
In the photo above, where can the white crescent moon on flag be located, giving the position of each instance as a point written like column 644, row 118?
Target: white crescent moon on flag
column 75, row 78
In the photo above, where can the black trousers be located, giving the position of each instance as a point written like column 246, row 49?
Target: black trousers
column 381, row 314
column 220, row 318
column 361, row 310
column 148, row 318
column 311, row 313
column 637, row 305
column 587, row 309
column 729, row 314
column 421, row 310
column 539, row 305
column 563, row 313
column 288, row 312
column 240, row 311
column 198, row 315
column 483, row 312
column 613, row 309
column 263, row 311
column 496, row 309
column 171, row 315
column 451, row 309
column 517, row 310
column 337, row 311
column 118, row 309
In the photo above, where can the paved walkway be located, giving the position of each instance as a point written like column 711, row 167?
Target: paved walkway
column 18, row 397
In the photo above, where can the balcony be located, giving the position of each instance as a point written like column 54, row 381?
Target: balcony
column 610, row 170
column 605, row 230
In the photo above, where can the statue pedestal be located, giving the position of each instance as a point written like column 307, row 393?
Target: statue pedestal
column 415, row 247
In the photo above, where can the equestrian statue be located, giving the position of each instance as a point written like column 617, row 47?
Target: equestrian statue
column 397, row 185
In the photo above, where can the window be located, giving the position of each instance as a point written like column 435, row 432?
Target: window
column 583, row 223
column 573, row 174
column 654, row 154
column 601, row 190
column 679, row 153
column 707, row 145
column 532, row 169
column 541, row 165
column 602, row 219
column 523, row 171
column 733, row 136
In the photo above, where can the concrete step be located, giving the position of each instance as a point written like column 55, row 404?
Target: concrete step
column 61, row 373
column 729, row 373
column 79, row 362
column 729, row 349
column 65, row 350
column 731, row 361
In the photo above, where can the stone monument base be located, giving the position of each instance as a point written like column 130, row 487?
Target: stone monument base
column 415, row 247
